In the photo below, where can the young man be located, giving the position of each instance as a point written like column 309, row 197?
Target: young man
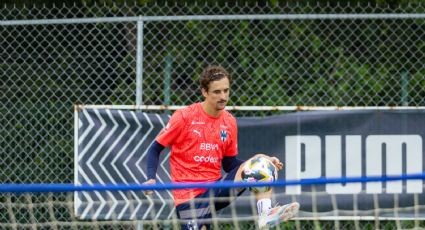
column 203, row 138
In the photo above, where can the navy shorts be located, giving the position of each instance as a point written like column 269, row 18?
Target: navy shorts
column 193, row 212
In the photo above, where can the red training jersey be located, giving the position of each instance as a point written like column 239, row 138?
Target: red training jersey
column 198, row 144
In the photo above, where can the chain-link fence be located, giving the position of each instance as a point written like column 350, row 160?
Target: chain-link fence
column 294, row 54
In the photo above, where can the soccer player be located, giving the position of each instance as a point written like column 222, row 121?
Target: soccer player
column 203, row 138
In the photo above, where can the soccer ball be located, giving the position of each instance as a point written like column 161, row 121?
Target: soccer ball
column 259, row 169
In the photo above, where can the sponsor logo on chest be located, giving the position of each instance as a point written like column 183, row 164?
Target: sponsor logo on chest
column 198, row 122
column 205, row 159
column 208, row 146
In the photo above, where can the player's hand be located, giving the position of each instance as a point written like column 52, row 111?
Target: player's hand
column 149, row 192
column 277, row 163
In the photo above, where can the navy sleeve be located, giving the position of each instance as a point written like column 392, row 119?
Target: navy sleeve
column 229, row 163
column 153, row 159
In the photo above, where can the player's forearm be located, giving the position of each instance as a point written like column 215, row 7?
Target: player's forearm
column 153, row 159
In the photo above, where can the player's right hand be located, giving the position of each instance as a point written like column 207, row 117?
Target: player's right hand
column 149, row 192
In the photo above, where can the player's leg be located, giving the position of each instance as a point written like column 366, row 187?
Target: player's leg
column 225, row 195
column 268, row 215
column 194, row 214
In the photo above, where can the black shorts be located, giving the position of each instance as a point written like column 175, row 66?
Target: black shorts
column 197, row 212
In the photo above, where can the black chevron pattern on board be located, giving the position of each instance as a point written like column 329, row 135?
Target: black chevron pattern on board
column 112, row 148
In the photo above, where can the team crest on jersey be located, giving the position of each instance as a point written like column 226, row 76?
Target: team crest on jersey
column 223, row 135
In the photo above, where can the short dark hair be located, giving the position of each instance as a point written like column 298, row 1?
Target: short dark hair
column 213, row 73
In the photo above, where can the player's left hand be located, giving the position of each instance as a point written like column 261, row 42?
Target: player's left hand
column 149, row 192
column 277, row 163
column 274, row 160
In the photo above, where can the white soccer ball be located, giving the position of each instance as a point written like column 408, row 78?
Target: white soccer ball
column 259, row 169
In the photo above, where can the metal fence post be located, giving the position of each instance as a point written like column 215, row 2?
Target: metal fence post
column 139, row 77
column 139, row 62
